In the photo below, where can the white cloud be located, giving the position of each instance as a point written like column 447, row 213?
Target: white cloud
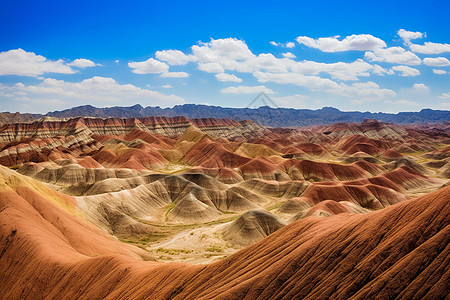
column 343, row 71
column 339, row 70
column 406, row 71
column 229, row 49
column 430, row 48
column 264, row 61
column 393, row 55
column 150, row 66
column 293, row 101
column 290, row 45
column 167, row 86
column 83, row 63
column 246, row 90
column 117, row 61
column 439, row 72
column 436, row 61
column 228, row 77
column 222, row 55
column 100, row 90
column 445, row 96
column 173, row 57
column 219, row 55
column 361, row 42
column 407, row 36
column 362, row 91
column 378, row 70
column 288, row 55
column 420, row 87
column 23, row 63
column 311, row 82
column 286, row 45
column 211, row 67
column 270, row 63
column 175, row 74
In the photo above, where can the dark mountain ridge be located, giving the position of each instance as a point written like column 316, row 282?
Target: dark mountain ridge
column 264, row 115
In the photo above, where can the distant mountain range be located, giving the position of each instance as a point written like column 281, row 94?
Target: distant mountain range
column 265, row 115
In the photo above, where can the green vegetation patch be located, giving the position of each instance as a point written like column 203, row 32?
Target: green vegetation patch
column 174, row 251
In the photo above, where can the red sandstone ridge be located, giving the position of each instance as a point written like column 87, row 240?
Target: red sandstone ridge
column 338, row 204
column 211, row 155
column 161, row 125
column 399, row 252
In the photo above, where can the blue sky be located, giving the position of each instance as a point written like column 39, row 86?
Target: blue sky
column 384, row 56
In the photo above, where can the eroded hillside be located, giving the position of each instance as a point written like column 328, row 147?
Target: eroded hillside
column 199, row 190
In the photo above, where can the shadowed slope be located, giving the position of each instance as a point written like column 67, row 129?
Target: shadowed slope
column 399, row 252
column 39, row 221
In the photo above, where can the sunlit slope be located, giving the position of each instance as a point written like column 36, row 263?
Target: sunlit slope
column 399, row 252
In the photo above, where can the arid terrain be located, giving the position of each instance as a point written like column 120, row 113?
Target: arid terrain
column 171, row 207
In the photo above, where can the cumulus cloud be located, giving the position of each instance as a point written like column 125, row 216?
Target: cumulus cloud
column 290, row 45
column 436, row 61
column 23, row 63
column 227, row 49
column 406, row 71
column 426, row 48
column 439, row 72
column 246, row 90
column 339, row 70
column 100, row 90
column 361, row 42
column 286, row 45
column 173, row 57
column 211, row 67
column 407, row 36
column 222, row 55
column 288, row 55
column 430, row 48
column 312, row 82
column 379, row 70
column 420, row 87
column 264, row 61
column 167, row 86
column 393, row 55
column 219, row 55
column 150, row 66
column 342, row 71
column 83, row 63
column 228, row 77
column 175, row 74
